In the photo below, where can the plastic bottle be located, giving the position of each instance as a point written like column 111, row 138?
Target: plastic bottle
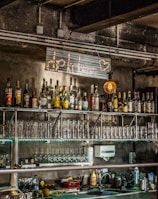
column 136, row 176
column 93, row 178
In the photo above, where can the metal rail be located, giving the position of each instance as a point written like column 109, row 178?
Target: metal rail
column 68, row 168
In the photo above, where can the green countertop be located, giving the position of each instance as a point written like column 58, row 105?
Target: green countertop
column 85, row 196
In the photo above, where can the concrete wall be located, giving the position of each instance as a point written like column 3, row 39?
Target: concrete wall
column 27, row 64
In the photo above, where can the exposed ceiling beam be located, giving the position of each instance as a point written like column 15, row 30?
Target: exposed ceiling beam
column 100, row 14
column 5, row 2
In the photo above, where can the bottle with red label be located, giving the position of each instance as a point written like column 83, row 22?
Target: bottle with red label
column 8, row 94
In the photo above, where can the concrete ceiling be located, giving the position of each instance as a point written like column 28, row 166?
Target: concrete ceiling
column 89, row 15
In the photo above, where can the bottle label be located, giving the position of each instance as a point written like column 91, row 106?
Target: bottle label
column 18, row 97
column 130, row 106
column 96, row 104
column 26, row 100
column 34, row 102
column 85, row 105
column 65, row 104
column 43, row 101
column 57, row 102
column 8, row 97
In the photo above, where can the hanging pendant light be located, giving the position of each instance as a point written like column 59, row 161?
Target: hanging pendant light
column 110, row 85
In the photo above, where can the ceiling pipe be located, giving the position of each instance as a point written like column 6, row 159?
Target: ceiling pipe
column 76, row 45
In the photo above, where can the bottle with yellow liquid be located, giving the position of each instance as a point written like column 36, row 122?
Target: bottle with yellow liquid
column 93, row 178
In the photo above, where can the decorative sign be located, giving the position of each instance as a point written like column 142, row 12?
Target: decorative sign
column 58, row 60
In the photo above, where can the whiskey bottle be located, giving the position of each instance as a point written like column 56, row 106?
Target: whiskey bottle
column 8, row 94
column 34, row 99
column 26, row 96
column 18, row 95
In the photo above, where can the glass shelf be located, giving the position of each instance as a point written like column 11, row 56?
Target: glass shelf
column 38, row 110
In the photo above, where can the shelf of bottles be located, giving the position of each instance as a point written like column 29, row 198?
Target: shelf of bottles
column 75, row 125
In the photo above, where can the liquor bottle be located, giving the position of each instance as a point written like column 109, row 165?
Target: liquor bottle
column 8, row 94
column 78, row 100
column 130, row 102
column 135, row 102
column 143, row 104
column 152, row 102
column 115, row 102
column 120, row 104
column 18, row 95
column 26, row 96
column 50, row 95
column 34, row 99
column 91, row 101
column 85, row 102
column 96, row 99
column 148, row 103
column 65, row 98
column 75, row 89
column 43, row 95
column 72, row 95
column 109, row 104
column 125, row 103
column 56, row 101
column 138, row 103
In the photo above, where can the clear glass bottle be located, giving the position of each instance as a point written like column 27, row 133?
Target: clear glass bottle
column 34, row 99
column 8, row 94
column 85, row 102
column 130, row 102
column 143, row 104
column 43, row 95
column 148, row 103
column 78, row 100
column 72, row 95
column 96, row 98
column 138, row 102
column 18, row 95
column 26, row 96
column 92, row 100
